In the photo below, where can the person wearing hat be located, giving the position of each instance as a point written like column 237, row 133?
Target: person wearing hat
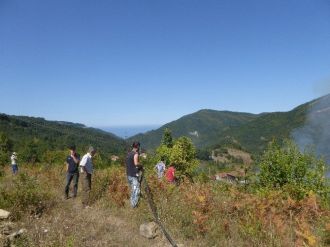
column 14, row 165
column 86, row 169
column 72, row 172
column 133, row 169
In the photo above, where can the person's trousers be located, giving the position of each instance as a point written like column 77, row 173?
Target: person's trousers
column 69, row 177
column 87, row 187
column 14, row 168
column 135, row 190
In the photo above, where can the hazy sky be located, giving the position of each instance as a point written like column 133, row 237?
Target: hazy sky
column 131, row 62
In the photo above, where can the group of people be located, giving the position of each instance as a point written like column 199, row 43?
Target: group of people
column 83, row 167
column 73, row 163
column 160, row 168
column 76, row 167
column 134, row 171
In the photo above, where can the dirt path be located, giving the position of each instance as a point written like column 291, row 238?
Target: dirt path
column 68, row 224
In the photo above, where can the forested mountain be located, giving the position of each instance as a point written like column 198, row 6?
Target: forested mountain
column 308, row 124
column 25, row 131
column 203, row 127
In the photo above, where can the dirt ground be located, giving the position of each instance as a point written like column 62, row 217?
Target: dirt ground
column 69, row 224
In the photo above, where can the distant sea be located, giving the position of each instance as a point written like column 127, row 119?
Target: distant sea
column 128, row 131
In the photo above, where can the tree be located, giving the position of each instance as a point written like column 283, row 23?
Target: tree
column 183, row 156
column 164, row 153
column 31, row 152
column 53, row 157
column 203, row 154
column 5, row 148
column 167, row 139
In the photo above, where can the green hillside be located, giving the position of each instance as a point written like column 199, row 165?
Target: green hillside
column 53, row 135
column 254, row 135
column 309, row 124
column 203, row 127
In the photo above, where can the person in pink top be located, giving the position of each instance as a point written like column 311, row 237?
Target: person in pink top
column 170, row 174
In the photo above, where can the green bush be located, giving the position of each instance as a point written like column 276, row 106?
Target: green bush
column 287, row 168
column 25, row 194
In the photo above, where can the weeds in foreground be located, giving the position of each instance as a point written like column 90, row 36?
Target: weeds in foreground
column 25, row 195
column 203, row 214
column 118, row 187
column 213, row 214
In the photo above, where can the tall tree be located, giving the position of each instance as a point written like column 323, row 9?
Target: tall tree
column 183, row 156
column 167, row 139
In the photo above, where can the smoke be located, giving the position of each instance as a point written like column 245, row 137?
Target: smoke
column 322, row 87
column 315, row 134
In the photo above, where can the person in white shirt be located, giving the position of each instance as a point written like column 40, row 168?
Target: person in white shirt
column 160, row 168
column 14, row 164
column 86, row 168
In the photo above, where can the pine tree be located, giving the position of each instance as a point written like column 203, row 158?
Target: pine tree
column 167, row 139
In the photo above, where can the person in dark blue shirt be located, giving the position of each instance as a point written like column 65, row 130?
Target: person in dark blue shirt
column 133, row 168
column 72, row 172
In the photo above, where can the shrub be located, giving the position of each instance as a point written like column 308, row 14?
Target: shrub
column 100, row 183
column 24, row 195
column 287, row 168
column 118, row 187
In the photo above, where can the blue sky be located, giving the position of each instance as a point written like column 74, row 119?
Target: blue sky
column 136, row 62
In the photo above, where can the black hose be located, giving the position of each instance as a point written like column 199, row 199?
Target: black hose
column 155, row 213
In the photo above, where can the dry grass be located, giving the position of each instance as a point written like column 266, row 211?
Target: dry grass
column 71, row 225
column 200, row 214
column 67, row 223
column 212, row 214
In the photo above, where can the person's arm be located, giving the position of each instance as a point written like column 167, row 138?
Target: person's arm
column 136, row 159
column 137, row 163
column 75, row 159
column 66, row 165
